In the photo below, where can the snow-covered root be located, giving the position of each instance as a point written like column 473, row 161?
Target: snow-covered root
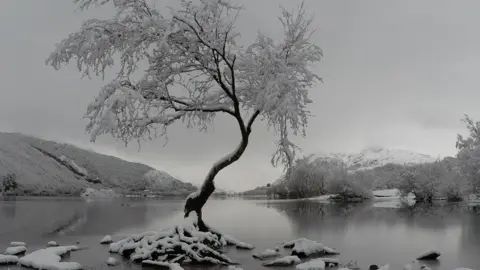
column 304, row 247
column 184, row 243
column 16, row 250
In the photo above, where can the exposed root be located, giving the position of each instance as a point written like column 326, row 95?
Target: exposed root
column 182, row 244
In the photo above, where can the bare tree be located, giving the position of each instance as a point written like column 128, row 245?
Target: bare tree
column 195, row 70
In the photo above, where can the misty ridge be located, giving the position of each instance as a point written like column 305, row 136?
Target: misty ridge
column 207, row 92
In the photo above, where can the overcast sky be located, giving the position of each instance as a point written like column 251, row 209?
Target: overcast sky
column 398, row 74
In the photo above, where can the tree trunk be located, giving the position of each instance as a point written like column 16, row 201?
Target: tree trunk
column 197, row 200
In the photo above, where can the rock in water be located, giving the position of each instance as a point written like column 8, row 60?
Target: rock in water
column 15, row 250
column 429, row 255
column 52, row 244
column 8, row 259
column 112, row 261
column 304, row 247
column 284, row 261
column 268, row 253
column 315, row 264
column 106, row 240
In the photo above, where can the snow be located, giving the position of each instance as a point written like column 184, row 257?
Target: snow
column 306, row 247
column 372, row 157
column 106, row 240
column 233, row 267
column 50, row 259
column 16, row 244
column 112, row 261
column 8, row 259
column 15, row 250
column 52, row 244
column 80, row 170
column 239, row 244
column 172, row 266
column 99, row 193
column 326, row 197
column 316, row 264
column 284, row 261
column 268, row 253
column 462, row 268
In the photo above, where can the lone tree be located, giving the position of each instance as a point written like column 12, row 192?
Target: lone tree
column 195, row 68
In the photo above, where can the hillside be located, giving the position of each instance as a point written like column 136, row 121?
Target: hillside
column 50, row 168
column 370, row 158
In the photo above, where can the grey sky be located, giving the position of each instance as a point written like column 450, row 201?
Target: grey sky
column 398, row 74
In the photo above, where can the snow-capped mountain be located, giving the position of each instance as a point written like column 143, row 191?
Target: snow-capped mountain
column 372, row 157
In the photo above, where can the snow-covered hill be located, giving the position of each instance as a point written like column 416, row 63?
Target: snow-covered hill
column 46, row 167
column 373, row 157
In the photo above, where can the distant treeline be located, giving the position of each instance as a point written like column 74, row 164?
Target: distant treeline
column 451, row 178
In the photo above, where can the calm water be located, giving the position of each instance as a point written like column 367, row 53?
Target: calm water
column 359, row 231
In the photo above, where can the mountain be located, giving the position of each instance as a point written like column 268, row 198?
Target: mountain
column 43, row 167
column 373, row 157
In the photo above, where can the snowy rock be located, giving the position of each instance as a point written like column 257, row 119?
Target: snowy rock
column 316, row 264
column 112, row 261
column 429, row 255
column 284, row 261
column 17, row 244
column 304, row 247
column 268, row 253
column 15, row 250
column 233, row 267
column 106, row 240
column 8, row 259
column 52, row 244
column 171, row 266
column 50, row 259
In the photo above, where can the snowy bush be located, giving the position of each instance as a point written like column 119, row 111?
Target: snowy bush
column 432, row 181
column 9, row 182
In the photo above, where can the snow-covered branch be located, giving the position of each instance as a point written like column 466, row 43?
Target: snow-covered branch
column 194, row 69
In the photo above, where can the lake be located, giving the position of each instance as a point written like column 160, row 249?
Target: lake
column 361, row 232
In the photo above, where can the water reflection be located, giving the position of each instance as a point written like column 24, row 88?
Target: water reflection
column 379, row 235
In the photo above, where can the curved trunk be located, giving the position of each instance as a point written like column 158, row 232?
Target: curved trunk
column 197, row 200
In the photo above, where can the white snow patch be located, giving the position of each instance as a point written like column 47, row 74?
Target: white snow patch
column 322, row 198
column 106, row 240
column 8, row 259
column 233, row 267
column 284, row 261
column 239, row 244
column 16, row 244
column 15, row 250
column 171, row 266
column 308, row 247
column 50, row 259
column 99, row 193
column 316, row 264
column 80, row 170
column 462, row 268
column 112, row 261
column 52, row 244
